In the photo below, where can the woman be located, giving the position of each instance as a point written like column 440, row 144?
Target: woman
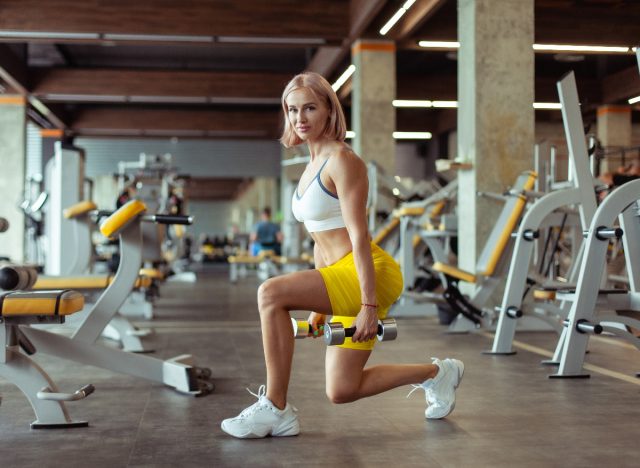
column 354, row 281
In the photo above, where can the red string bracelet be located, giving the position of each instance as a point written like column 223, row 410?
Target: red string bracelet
column 375, row 306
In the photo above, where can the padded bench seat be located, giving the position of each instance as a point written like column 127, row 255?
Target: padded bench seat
column 250, row 259
column 31, row 303
column 84, row 282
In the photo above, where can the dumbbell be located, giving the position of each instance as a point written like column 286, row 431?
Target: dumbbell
column 17, row 277
column 302, row 328
column 335, row 333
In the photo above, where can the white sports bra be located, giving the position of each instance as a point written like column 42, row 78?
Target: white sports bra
column 318, row 208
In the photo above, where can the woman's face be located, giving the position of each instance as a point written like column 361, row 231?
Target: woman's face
column 307, row 115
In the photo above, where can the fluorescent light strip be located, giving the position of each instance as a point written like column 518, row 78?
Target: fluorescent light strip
column 412, row 135
column 397, row 15
column 411, row 103
column 453, row 45
column 270, row 40
column 634, row 100
column 547, row 105
column 439, row 44
column 400, row 135
column 344, row 77
column 445, row 104
column 454, row 104
column 47, row 35
column 579, row 48
column 156, row 38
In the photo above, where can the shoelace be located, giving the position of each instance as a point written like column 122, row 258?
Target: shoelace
column 262, row 391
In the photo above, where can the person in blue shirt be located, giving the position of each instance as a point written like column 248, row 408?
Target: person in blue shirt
column 266, row 234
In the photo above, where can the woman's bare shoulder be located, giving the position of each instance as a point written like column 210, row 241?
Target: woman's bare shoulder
column 346, row 158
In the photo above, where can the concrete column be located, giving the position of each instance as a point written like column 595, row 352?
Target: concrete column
column 373, row 117
column 50, row 136
column 13, row 125
column 614, row 130
column 495, row 114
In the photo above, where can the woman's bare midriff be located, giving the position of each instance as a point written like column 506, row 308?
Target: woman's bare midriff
column 333, row 244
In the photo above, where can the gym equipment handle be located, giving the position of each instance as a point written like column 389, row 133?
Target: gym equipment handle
column 604, row 233
column 84, row 392
column 169, row 219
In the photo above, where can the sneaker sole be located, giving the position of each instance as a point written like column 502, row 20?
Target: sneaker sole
column 290, row 431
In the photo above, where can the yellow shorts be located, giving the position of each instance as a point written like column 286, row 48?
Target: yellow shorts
column 341, row 280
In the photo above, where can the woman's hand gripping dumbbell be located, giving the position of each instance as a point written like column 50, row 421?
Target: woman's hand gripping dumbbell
column 335, row 333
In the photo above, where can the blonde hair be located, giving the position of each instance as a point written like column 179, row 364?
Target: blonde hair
column 336, row 127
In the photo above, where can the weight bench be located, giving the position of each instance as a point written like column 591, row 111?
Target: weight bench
column 491, row 266
column 119, row 329
column 23, row 308
column 81, row 347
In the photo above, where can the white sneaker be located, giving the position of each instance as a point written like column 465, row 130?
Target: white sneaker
column 441, row 390
column 262, row 419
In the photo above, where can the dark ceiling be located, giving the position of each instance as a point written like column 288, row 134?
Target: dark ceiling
column 216, row 68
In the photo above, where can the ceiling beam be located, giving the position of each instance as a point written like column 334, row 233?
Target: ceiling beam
column 361, row 13
column 153, row 122
column 220, row 18
column 100, row 85
column 415, row 17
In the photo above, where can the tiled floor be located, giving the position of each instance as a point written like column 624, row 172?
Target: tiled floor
column 508, row 413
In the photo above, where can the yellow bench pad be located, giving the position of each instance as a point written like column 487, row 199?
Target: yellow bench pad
column 29, row 303
column 123, row 216
column 84, row 282
column 79, row 209
column 153, row 273
column 455, row 272
column 544, row 295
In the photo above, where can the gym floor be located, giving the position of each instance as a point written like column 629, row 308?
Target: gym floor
column 508, row 412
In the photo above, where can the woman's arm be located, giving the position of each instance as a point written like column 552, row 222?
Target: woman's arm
column 349, row 174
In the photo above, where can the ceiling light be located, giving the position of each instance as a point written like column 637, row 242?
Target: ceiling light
column 412, row 135
column 47, row 35
column 400, row 135
column 344, row 77
column 445, row 104
column 439, row 44
column 411, row 103
column 634, row 100
column 271, row 40
column 397, row 15
column 453, row 45
column 547, row 105
column 156, row 38
column 579, row 48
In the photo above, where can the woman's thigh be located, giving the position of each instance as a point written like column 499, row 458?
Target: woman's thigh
column 344, row 366
column 301, row 290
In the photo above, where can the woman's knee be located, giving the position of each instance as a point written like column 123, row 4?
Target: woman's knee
column 340, row 394
column 269, row 294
